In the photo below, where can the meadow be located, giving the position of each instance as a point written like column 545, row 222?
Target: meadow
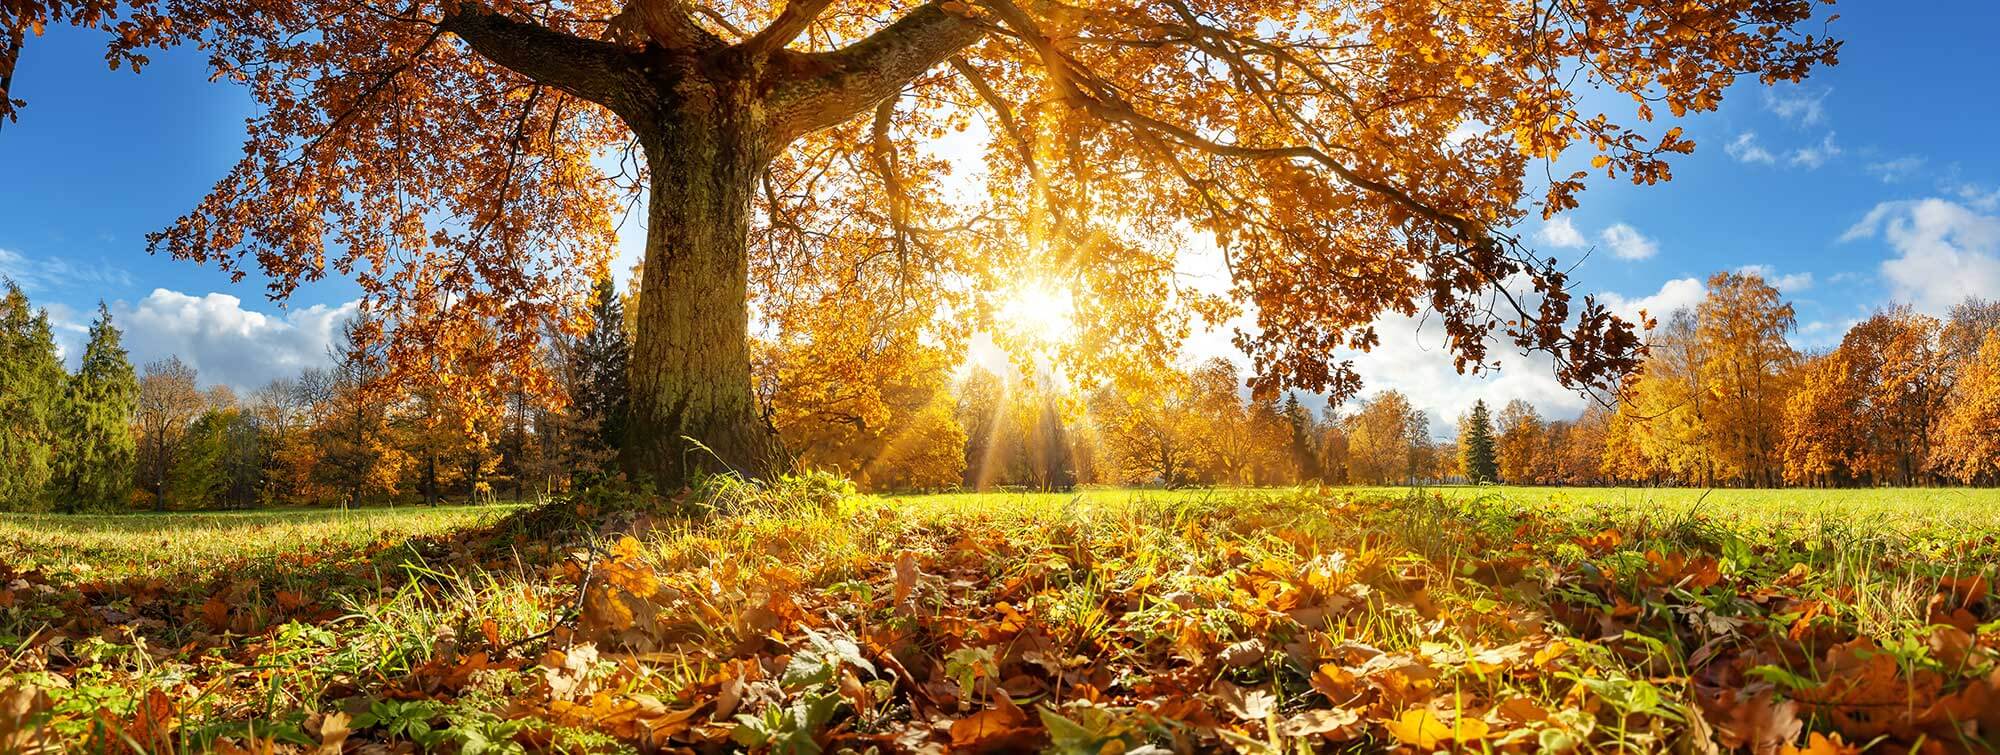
column 804, row 618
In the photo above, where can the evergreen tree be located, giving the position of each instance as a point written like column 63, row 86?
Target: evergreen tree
column 1305, row 458
column 1475, row 445
column 99, row 454
column 598, row 379
column 30, row 405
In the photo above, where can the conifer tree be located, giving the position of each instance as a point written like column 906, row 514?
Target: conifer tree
column 1475, row 445
column 598, row 379
column 1305, row 458
column 30, row 404
column 99, row 454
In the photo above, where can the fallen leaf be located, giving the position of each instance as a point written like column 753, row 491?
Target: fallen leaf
column 333, row 733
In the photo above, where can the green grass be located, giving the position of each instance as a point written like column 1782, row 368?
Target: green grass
column 199, row 543
column 1617, row 613
column 1900, row 508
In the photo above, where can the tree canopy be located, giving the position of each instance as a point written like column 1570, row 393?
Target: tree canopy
column 1349, row 160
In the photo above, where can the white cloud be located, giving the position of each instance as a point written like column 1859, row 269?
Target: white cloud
column 1816, row 155
column 1891, row 171
column 1560, row 232
column 1745, row 149
column 1412, row 358
column 1976, row 196
column 41, row 274
column 1797, row 103
column 1627, row 243
column 1673, row 296
column 1787, row 283
column 226, row 343
column 1945, row 251
column 1822, row 334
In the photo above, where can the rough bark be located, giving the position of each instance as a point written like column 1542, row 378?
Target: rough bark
column 692, row 408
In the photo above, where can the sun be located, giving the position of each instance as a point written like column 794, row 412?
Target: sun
column 1038, row 312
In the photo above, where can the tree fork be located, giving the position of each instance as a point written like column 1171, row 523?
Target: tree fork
column 710, row 117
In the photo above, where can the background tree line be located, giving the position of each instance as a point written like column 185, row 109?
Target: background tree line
column 1722, row 399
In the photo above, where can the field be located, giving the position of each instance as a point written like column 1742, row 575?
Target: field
column 803, row 620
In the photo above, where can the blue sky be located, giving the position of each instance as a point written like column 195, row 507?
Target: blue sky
column 1876, row 181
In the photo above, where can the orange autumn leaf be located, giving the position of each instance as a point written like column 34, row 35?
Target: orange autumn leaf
column 215, row 611
column 1822, row 744
column 986, row 724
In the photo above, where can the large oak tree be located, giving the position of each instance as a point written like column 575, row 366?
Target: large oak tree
column 1350, row 158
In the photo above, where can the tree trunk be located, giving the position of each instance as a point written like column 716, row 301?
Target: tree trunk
column 692, row 407
column 710, row 115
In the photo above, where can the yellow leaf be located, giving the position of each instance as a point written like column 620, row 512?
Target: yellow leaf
column 1600, row 161
column 1423, row 729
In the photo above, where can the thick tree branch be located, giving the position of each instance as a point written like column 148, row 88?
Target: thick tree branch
column 848, row 81
column 594, row 70
column 791, row 22
column 667, row 23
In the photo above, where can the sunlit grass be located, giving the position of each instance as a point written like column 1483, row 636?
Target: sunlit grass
column 1127, row 577
column 1899, row 508
column 168, row 544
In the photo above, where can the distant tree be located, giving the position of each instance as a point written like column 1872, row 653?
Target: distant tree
column 1523, row 438
column 1746, row 368
column 301, row 411
column 1476, row 448
column 1585, row 445
column 596, row 373
column 99, row 452
column 1665, row 406
column 170, row 399
column 1821, row 435
column 981, row 406
column 1383, row 439
column 434, row 426
column 1968, row 445
column 1053, row 462
column 1549, row 455
column 1304, row 445
column 1225, row 430
column 1332, row 434
column 1150, row 428
column 1910, row 381
column 1270, row 444
column 519, row 454
column 358, row 456
column 1966, row 328
column 31, row 404
column 847, row 387
column 220, row 461
column 928, row 452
